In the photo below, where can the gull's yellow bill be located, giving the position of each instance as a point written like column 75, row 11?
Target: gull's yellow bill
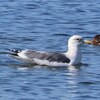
column 87, row 41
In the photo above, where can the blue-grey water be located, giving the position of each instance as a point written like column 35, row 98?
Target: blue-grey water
column 46, row 25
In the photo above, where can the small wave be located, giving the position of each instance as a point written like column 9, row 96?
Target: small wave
column 86, row 83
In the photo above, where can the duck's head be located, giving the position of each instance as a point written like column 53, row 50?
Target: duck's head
column 95, row 41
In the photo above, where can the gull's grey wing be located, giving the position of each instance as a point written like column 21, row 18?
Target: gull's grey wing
column 58, row 57
column 50, row 56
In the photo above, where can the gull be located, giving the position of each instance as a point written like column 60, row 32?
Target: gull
column 71, row 57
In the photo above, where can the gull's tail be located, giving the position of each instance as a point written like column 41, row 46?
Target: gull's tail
column 13, row 52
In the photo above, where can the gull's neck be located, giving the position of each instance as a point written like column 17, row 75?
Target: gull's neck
column 74, row 53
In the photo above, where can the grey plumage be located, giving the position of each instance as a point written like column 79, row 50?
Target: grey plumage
column 50, row 56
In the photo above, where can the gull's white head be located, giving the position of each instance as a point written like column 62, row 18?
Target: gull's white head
column 74, row 51
column 75, row 40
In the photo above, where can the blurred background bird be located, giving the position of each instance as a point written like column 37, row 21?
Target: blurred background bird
column 94, row 41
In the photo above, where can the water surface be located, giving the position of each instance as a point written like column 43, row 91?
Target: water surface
column 47, row 25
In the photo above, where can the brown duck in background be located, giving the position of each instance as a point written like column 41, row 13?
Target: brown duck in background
column 95, row 41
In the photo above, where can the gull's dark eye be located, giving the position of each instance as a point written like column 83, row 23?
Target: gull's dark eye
column 78, row 39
